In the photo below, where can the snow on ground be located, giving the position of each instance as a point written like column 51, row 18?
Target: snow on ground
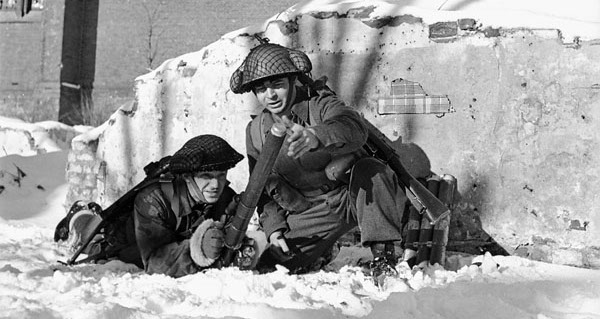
column 34, row 284
column 34, row 187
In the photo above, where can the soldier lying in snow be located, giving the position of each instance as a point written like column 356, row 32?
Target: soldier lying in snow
column 176, row 224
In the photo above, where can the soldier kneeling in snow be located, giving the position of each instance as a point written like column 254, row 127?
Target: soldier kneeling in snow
column 176, row 226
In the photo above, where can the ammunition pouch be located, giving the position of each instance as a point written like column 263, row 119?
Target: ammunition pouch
column 285, row 195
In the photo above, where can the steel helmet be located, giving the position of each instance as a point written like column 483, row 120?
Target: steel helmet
column 204, row 153
column 267, row 60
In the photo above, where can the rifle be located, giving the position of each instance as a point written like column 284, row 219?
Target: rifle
column 236, row 230
column 381, row 147
column 419, row 196
column 123, row 204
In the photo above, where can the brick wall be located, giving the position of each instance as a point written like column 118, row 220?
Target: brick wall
column 83, row 170
column 177, row 27
column 30, row 47
column 20, row 50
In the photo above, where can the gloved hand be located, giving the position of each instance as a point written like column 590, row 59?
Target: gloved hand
column 207, row 243
column 213, row 242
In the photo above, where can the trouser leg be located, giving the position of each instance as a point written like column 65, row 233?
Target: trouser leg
column 377, row 201
column 312, row 233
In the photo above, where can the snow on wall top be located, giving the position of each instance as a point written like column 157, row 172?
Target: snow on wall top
column 576, row 18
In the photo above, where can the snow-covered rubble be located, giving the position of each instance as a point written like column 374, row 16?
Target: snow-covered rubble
column 22, row 138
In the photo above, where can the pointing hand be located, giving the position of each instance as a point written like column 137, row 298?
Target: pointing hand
column 301, row 139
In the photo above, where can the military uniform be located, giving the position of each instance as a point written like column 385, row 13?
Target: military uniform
column 163, row 235
column 168, row 226
column 171, row 222
column 312, row 210
column 310, row 206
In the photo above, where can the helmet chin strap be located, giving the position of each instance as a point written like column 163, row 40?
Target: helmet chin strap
column 291, row 93
column 194, row 190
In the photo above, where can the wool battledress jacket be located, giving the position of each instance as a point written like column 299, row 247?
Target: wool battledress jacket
column 163, row 234
column 294, row 182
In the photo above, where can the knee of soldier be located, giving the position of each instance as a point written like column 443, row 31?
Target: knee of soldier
column 366, row 175
column 368, row 167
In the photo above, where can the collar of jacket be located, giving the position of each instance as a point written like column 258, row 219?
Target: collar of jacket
column 300, row 107
column 181, row 199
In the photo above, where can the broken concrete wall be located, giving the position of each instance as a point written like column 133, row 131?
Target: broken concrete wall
column 523, row 136
column 520, row 132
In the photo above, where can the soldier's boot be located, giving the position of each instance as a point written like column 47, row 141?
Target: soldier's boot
column 81, row 226
column 61, row 232
column 384, row 261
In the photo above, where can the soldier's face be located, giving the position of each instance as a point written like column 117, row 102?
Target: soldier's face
column 211, row 184
column 273, row 94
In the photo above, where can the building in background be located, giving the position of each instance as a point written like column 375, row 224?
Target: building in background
column 132, row 37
